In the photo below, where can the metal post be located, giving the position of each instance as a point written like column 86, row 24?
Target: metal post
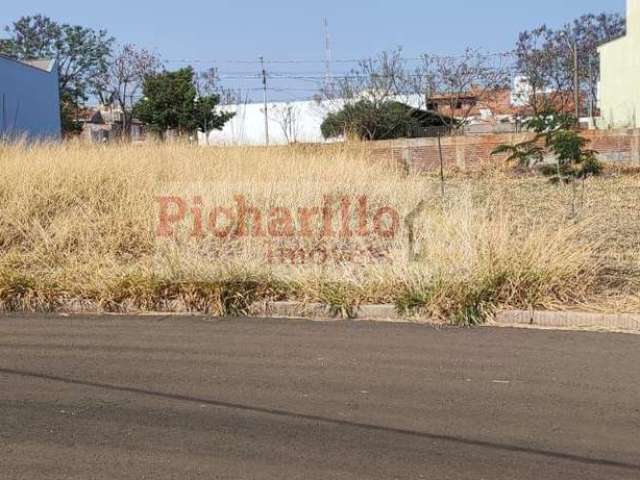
column 441, row 166
column 592, row 99
column 266, row 112
column 576, row 80
column 572, row 44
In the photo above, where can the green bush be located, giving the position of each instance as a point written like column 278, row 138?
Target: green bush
column 368, row 120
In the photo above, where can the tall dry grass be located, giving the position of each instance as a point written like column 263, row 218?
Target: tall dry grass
column 78, row 230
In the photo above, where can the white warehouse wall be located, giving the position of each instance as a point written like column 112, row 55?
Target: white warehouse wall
column 247, row 126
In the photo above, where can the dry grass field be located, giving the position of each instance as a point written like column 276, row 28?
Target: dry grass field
column 80, row 228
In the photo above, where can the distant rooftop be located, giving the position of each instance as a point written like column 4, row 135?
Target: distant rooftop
column 44, row 64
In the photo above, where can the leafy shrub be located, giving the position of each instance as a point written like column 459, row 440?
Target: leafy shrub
column 555, row 136
column 368, row 120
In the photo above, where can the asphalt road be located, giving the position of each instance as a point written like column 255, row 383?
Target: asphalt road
column 157, row 398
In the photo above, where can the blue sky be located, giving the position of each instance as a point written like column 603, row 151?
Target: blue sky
column 226, row 30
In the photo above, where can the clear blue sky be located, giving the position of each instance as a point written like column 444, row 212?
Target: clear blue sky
column 222, row 30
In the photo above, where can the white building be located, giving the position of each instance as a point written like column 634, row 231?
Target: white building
column 620, row 74
column 300, row 121
column 289, row 122
column 29, row 99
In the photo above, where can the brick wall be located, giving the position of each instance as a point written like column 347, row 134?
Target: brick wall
column 615, row 145
column 468, row 152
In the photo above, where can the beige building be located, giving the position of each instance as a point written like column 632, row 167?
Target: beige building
column 620, row 75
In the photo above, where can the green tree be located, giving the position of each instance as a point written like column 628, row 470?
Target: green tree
column 171, row 102
column 368, row 120
column 69, row 115
column 82, row 55
column 556, row 136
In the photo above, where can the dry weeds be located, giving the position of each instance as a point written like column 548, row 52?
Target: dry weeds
column 78, row 230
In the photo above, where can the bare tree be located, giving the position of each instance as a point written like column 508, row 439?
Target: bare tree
column 375, row 79
column 208, row 83
column 287, row 117
column 562, row 66
column 364, row 96
column 448, row 87
column 590, row 32
column 453, row 86
column 545, row 66
column 123, row 80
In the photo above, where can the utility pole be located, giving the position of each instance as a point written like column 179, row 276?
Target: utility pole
column 441, row 167
column 266, row 111
column 572, row 44
column 576, row 80
column 592, row 98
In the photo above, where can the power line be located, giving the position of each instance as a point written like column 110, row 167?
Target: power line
column 318, row 77
column 271, row 89
column 323, row 62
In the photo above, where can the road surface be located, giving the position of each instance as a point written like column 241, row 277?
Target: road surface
column 161, row 398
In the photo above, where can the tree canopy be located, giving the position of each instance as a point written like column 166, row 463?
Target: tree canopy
column 386, row 120
column 121, row 83
column 82, row 55
column 546, row 57
column 171, row 102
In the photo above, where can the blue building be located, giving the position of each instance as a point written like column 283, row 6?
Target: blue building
column 29, row 99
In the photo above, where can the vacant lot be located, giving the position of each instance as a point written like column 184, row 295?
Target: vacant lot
column 176, row 227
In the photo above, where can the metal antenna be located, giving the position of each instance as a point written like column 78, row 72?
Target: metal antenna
column 327, row 54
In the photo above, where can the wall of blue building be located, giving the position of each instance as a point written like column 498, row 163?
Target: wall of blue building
column 29, row 101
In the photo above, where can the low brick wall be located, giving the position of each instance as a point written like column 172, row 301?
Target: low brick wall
column 615, row 145
column 469, row 152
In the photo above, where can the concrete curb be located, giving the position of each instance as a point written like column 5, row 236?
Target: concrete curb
column 568, row 320
column 385, row 313
column 321, row 312
column 388, row 313
column 314, row 311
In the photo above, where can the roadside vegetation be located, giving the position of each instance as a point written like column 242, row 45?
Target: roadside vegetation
column 555, row 138
column 78, row 231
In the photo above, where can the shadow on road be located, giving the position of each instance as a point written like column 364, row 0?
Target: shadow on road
column 327, row 420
